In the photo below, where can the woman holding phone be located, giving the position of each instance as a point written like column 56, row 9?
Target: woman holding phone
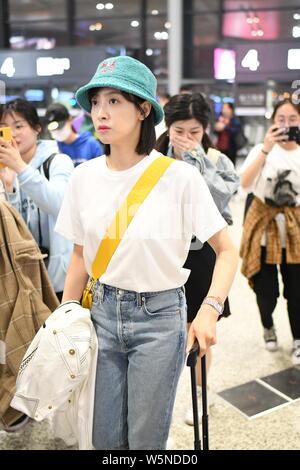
column 271, row 236
column 26, row 160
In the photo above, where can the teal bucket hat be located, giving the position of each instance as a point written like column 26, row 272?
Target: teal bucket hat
column 126, row 74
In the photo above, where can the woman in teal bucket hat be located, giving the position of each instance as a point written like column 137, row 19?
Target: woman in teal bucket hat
column 138, row 303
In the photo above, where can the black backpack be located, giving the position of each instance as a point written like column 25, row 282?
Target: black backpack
column 46, row 169
column 46, row 165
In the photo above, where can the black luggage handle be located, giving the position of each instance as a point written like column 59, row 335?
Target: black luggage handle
column 191, row 362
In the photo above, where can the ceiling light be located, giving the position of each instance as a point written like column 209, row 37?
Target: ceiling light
column 100, row 6
column 260, row 32
column 167, row 25
column 149, row 52
column 109, row 6
column 154, row 12
column 164, row 35
column 296, row 16
column 134, row 24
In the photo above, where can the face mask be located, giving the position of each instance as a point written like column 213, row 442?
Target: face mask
column 61, row 134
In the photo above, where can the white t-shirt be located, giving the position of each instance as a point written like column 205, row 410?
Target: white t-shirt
column 155, row 245
column 278, row 183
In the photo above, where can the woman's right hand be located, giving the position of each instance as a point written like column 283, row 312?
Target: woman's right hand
column 183, row 144
column 274, row 135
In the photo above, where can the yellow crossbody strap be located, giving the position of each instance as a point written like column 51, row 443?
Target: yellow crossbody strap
column 127, row 211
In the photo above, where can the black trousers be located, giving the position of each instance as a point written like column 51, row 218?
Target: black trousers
column 201, row 263
column 266, row 288
column 59, row 295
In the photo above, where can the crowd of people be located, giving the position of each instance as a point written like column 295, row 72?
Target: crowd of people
column 145, row 225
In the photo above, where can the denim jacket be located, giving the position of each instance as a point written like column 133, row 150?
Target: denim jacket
column 218, row 172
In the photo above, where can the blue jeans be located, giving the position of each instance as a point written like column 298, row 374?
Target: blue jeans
column 142, row 339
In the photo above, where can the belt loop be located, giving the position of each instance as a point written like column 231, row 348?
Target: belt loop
column 138, row 299
column 101, row 291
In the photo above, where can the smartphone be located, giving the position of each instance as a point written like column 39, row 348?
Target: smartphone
column 294, row 133
column 5, row 133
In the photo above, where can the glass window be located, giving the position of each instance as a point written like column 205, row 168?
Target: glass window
column 157, row 31
column 206, row 5
column 36, row 10
column 36, row 35
column 156, row 7
column 205, row 29
column 101, row 10
column 198, row 62
column 107, row 32
column 157, row 43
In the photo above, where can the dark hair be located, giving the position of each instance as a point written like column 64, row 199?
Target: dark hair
column 186, row 89
column 25, row 109
column 165, row 95
column 147, row 139
column 230, row 105
column 181, row 108
column 283, row 102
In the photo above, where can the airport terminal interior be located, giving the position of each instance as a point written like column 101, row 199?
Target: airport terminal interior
column 244, row 54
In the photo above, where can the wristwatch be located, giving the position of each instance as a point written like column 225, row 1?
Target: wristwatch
column 214, row 302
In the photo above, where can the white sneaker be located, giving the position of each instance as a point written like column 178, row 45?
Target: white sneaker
column 189, row 418
column 296, row 352
column 270, row 339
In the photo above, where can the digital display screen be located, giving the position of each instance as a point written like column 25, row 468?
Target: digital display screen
column 224, row 64
column 34, row 95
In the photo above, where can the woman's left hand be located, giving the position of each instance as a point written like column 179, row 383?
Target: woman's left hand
column 203, row 328
column 10, row 156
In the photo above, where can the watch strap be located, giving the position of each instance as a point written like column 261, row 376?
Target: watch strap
column 214, row 302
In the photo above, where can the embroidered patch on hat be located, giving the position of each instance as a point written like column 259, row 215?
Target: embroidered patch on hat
column 108, row 66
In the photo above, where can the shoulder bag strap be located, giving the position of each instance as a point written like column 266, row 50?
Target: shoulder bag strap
column 46, row 169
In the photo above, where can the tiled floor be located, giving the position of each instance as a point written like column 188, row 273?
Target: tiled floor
column 238, row 357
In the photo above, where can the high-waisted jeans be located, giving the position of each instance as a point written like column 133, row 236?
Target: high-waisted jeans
column 142, row 340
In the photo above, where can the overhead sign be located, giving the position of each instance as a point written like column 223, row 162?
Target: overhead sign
column 62, row 65
column 48, row 66
column 224, row 64
column 262, row 62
